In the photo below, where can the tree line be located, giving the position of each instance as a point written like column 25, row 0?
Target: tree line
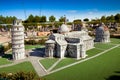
column 7, row 19
column 111, row 18
column 38, row 19
column 105, row 19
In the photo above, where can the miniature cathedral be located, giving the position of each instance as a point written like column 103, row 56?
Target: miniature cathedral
column 102, row 34
column 65, row 43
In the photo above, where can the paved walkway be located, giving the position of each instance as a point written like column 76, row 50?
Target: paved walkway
column 38, row 68
column 83, row 60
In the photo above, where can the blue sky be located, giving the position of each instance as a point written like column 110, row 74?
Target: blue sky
column 73, row 9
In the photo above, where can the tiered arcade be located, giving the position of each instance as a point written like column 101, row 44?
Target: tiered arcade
column 17, row 31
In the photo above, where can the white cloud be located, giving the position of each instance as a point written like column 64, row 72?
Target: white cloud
column 72, row 11
column 90, row 12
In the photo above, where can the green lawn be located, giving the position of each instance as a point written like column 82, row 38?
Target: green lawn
column 68, row 61
column 65, row 62
column 25, row 66
column 103, row 46
column 99, row 48
column 93, row 52
column 115, row 40
column 99, row 68
column 48, row 62
column 4, row 61
column 32, row 46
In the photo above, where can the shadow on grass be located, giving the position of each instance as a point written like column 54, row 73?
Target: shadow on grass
column 117, row 71
column 114, row 77
column 39, row 52
column 8, row 56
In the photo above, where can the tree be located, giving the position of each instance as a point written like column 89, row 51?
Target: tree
column 36, row 19
column 7, row 19
column 2, row 19
column 110, row 18
column 77, row 21
column 103, row 19
column 30, row 18
column 62, row 19
column 43, row 19
column 117, row 18
column 86, row 20
column 52, row 18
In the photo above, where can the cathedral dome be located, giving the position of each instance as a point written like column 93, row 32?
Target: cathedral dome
column 63, row 29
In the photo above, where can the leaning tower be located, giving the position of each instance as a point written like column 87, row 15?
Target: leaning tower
column 17, row 31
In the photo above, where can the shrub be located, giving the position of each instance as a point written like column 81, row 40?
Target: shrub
column 34, row 42
column 7, row 47
column 19, row 76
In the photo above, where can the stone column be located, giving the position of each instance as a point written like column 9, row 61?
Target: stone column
column 83, row 51
column 78, row 52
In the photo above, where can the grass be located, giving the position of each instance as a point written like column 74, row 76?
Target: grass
column 47, row 62
column 103, row 46
column 68, row 61
column 27, row 47
column 99, row 68
column 93, row 52
column 25, row 66
column 65, row 62
column 4, row 61
column 99, row 48
column 115, row 40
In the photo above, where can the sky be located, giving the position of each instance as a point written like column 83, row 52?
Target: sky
column 72, row 9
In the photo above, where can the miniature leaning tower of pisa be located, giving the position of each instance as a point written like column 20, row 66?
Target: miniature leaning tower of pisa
column 18, row 51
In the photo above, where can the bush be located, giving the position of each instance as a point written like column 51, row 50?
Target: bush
column 1, row 49
column 6, row 48
column 19, row 76
column 34, row 42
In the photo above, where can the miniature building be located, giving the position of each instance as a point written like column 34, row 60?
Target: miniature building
column 102, row 34
column 73, row 44
column 50, row 44
column 17, row 31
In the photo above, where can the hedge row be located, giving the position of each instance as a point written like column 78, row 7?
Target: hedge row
column 34, row 42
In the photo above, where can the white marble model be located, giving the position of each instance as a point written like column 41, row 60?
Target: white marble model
column 17, row 31
column 102, row 34
column 72, row 44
